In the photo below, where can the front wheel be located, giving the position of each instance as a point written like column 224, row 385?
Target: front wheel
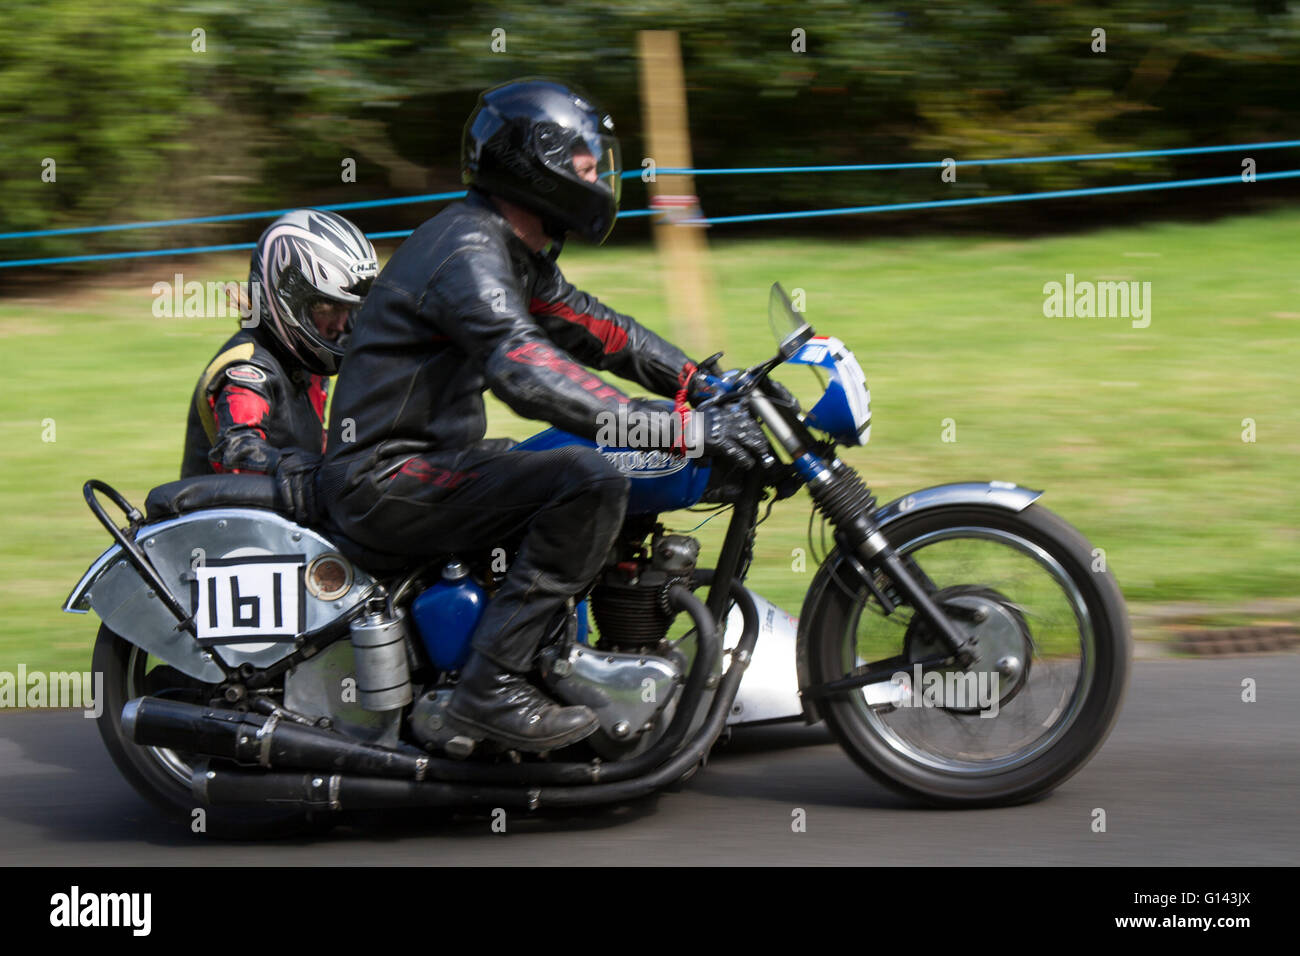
column 1053, row 648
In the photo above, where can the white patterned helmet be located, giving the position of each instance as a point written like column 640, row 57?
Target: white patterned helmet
column 307, row 257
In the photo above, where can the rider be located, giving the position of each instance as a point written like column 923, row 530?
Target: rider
column 259, row 406
column 474, row 300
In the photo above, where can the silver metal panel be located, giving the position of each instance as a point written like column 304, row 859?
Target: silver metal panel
column 315, row 688
column 130, row 608
column 770, row 688
column 78, row 602
column 124, row 605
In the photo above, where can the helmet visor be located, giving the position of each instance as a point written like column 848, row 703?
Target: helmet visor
column 328, row 320
column 586, row 154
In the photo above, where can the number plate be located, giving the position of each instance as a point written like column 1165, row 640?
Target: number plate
column 236, row 599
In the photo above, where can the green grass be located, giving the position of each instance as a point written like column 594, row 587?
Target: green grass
column 1136, row 434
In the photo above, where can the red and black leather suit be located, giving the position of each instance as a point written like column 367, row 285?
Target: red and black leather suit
column 254, row 410
column 463, row 306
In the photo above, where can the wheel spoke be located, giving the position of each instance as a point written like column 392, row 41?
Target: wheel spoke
column 1036, row 617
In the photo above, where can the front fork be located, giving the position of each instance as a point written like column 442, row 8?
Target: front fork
column 850, row 506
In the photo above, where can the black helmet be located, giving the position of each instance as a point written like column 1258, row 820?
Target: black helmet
column 520, row 143
column 307, row 257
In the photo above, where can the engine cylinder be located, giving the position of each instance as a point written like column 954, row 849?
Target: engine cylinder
column 630, row 604
column 629, row 614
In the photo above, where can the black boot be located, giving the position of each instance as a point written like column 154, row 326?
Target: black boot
column 507, row 709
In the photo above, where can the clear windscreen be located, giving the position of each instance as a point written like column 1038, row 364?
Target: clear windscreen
column 781, row 315
column 786, row 322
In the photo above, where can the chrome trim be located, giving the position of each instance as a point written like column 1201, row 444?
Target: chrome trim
column 1000, row 494
column 314, row 589
column 130, row 711
column 78, row 602
column 264, row 735
column 612, row 683
column 772, row 419
column 874, row 544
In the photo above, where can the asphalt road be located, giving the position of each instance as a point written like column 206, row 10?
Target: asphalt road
column 1191, row 776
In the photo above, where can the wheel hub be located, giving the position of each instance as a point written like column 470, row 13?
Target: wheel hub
column 1003, row 646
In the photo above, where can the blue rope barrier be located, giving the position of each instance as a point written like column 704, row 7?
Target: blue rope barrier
column 105, row 256
column 722, row 220
column 987, row 200
column 192, row 250
column 231, row 217
column 878, row 167
column 675, row 171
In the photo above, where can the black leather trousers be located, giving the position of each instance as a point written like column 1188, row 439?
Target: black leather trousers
column 564, row 507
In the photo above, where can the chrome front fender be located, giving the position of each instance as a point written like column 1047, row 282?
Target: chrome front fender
column 999, row 494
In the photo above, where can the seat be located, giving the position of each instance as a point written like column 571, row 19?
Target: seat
column 258, row 491
column 213, row 491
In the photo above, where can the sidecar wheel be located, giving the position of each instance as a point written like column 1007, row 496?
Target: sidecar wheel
column 162, row 776
column 1054, row 619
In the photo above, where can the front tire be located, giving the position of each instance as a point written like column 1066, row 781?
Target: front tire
column 1040, row 577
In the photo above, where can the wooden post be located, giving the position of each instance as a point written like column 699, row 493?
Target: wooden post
column 683, row 249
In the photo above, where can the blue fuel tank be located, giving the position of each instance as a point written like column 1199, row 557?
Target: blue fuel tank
column 659, row 480
column 446, row 615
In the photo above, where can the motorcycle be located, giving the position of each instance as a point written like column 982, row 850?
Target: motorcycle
column 961, row 643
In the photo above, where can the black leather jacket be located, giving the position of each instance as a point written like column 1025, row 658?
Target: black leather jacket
column 249, row 407
column 463, row 306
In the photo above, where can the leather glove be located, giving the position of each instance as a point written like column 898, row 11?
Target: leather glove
column 730, row 432
column 295, row 484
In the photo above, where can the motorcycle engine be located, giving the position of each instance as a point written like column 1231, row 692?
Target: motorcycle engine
column 632, row 675
column 630, row 599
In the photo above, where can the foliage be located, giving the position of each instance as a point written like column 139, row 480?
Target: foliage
column 143, row 126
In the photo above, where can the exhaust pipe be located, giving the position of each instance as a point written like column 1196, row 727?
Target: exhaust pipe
column 257, row 740
column 325, row 791
column 334, row 791
column 345, row 773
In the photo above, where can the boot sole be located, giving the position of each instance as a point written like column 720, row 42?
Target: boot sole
column 529, row 744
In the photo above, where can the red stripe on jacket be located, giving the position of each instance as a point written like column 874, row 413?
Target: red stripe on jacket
column 612, row 337
column 246, row 406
